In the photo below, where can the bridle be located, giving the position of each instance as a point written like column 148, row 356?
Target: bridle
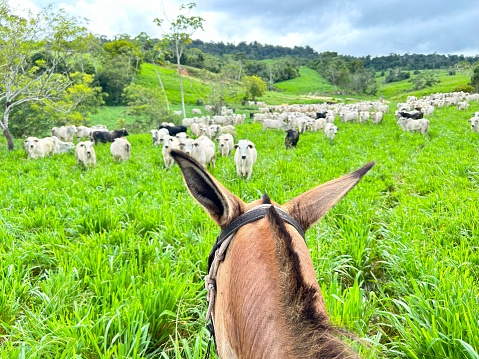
column 218, row 252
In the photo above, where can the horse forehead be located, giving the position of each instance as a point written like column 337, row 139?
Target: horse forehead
column 259, row 202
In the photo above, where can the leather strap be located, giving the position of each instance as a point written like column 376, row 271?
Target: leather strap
column 252, row 215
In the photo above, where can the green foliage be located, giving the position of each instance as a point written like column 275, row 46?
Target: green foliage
column 36, row 118
column 464, row 88
column 424, row 79
column 475, row 78
column 254, row 87
column 397, row 75
column 348, row 75
column 200, row 102
column 38, row 54
column 146, row 105
column 117, row 73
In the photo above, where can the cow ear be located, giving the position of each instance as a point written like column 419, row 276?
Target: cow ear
column 310, row 206
column 222, row 205
column 236, row 146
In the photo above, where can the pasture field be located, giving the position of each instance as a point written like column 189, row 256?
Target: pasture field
column 109, row 262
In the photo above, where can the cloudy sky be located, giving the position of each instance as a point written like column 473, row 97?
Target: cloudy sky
column 349, row 27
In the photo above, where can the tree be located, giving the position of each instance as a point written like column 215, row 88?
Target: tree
column 146, row 104
column 121, row 63
column 475, row 77
column 35, row 53
column 222, row 87
column 464, row 67
column 181, row 29
column 38, row 117
column 254, row 87
column 424, row 79
column 334, row 69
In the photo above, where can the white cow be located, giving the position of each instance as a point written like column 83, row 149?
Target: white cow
column 187, row 146
column 204, row 151
column 347, row 116
column 225, row 144
column 226, row 129
column 463, row 105
column 83, row 132
column 85, row 154
column 120, row 149
column 195, row 129
column 319, row 124
column 377, row 117
column 364, row 116
column 157, row 136
column 474, row 124
column 65, row 133
column 169, row 143
column 61, row 146
column 182, row 136
column 275, row 124
column 196, row 111
column 411, row 125
column 245, row 158
column 39, row 147
column 330, row 130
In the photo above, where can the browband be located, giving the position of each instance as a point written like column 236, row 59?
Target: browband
column 252, row 215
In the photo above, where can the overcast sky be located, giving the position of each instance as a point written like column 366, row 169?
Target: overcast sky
column 349, row 27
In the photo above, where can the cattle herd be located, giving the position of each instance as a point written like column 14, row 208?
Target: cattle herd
column 61, row 141
column 206, row 136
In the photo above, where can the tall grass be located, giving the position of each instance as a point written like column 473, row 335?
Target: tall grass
column 109, row 262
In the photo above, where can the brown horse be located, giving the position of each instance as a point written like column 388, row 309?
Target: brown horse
column 268, row 302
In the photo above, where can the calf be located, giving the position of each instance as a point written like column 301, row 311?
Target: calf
column 292, row 138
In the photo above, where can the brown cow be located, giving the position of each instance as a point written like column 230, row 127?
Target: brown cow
column 268, row 303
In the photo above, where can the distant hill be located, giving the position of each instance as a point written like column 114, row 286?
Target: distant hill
column 256, row 51
column 306, row 88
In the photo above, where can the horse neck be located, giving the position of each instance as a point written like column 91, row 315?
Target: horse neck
column 269, row 303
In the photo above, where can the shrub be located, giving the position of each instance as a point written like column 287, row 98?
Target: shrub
column 200, row 102
column 464, row 88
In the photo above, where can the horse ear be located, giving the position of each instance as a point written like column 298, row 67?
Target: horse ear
column 310, row 206
column 222, row 205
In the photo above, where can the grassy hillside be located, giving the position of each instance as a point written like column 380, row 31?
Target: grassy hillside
column 310, row 87
column 400, row 89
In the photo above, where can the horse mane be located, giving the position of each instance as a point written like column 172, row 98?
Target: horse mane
column 314, row 336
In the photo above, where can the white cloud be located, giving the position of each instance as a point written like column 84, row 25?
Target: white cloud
column 349, row 27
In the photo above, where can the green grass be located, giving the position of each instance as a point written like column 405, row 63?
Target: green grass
column 109, row 262
column 400, row 89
